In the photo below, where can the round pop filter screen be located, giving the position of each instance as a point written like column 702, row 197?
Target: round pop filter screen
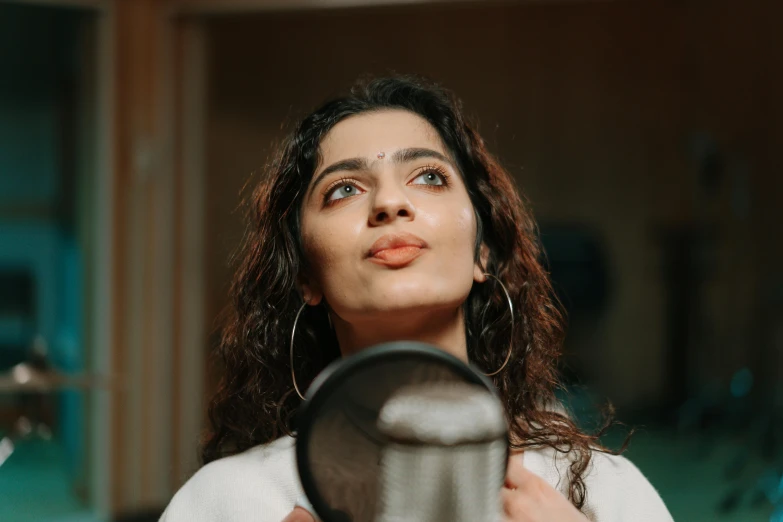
column 341, row 444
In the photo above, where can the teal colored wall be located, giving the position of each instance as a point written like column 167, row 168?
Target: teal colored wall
column 39, row 72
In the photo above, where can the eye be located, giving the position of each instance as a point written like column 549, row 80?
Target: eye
column 432, row 177
column 342, row 190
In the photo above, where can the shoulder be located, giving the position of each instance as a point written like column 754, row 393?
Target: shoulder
column 616, row 490
column 261, row 481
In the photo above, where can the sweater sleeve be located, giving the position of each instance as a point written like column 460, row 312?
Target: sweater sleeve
column 258, row 485
column 618, row 492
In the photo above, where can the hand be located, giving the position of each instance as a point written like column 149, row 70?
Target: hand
column 299, row 515
column 529, row 498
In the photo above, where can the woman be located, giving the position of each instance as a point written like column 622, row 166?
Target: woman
column 385, row 214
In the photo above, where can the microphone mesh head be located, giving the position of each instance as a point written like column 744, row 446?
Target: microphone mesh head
column 446, row 455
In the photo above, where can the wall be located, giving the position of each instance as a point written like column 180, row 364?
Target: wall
column 40, row 233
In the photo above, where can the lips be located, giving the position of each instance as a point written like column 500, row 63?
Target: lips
column 396, row 250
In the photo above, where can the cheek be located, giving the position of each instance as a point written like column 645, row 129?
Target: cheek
column 319, row 248
column 328, row 247
column 455, row 231
column 463, row 232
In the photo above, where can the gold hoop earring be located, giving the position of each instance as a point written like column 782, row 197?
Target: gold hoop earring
column 291, row 351
column 511, row 310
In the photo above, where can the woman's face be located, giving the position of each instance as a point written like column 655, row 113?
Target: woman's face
column 387, row 224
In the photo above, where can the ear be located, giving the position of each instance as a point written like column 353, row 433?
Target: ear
column 479, row 267
column 310, row 291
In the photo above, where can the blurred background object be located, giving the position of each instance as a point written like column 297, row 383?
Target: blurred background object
column 647, row 136
column 47, row 254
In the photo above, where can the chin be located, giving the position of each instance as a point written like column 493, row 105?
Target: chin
column 408, row 304
column 417, row 297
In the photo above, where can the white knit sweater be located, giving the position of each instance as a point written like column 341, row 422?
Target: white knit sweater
column 262, row 485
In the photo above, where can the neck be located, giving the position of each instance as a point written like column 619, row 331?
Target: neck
column 442, row 328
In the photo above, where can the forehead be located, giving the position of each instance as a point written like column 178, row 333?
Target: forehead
column 367, row 134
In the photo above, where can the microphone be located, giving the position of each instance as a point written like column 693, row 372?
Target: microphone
column 445, row 456
column 401, row 432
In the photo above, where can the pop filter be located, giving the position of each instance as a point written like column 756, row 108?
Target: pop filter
column 347, row 459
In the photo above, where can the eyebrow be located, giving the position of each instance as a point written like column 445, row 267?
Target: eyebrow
column 406, row 155
column 357, row 164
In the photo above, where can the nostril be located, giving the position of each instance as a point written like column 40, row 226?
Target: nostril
column 402, row 212
column 381, row 216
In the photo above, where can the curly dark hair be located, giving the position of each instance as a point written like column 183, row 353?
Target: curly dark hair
column 254, row 403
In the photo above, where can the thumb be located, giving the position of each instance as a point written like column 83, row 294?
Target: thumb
column 516, row 472
column 299, row 514
column 519, row 456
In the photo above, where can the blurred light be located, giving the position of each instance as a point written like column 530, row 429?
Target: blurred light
column 23, row 426
column 6, row 448
column 741, row 383
column 40, row 346
column 44, row 432
column 22, row 374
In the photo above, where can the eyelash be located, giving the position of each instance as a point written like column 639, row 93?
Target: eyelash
column 437, row 169
column 339, row 183
column 336, row 184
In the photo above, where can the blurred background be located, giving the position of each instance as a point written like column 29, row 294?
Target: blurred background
column 647, row 136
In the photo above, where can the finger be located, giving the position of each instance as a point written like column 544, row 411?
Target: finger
column 513, row 503
column 516, row 474
column 519, row 455
column 506, row 497
column 299, row 515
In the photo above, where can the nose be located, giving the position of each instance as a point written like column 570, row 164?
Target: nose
column 389, row 204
